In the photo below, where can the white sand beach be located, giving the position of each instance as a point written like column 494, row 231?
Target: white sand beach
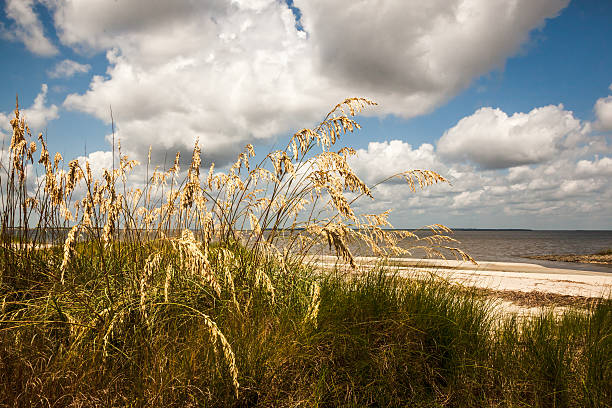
column 521, row 280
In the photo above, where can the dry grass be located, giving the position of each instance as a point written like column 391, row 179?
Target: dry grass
column 603, row 258
column 192, row 291
column 294, row 194
column 539, row 299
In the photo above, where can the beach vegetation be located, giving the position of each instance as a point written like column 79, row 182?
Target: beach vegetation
column 198, row 288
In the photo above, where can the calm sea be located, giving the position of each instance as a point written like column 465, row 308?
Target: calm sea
column 514, row 246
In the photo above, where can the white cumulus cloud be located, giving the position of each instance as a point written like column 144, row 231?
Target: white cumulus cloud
column 233, row 72
column 27, row 27
column 68, row 68
column 36, row 115
column 569, row 181
column 603, row 111
column 40, row 113
column 598, row 167
column 384, row 159
column 413, row 55
column 494, row 140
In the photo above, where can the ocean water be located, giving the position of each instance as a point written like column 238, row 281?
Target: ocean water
column 497, row 246
column 516, row 245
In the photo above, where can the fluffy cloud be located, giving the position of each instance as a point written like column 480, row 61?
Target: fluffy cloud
column 36, row 116
column 232, row 72
column 603, row 111
column 571, row 184
column 494, row 140
column 68, row 68
column 400, row 52
column 28, row 28
column 467, row 199
column 598, row 167
column 385, row 159
column 169, row 89
column 5, row 127
column 39, row 114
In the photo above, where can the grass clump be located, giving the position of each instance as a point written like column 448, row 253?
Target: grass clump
column 370, row 340
column 193, row 291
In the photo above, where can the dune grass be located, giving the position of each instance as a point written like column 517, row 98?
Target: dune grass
column 195, row 292
column 377, row 340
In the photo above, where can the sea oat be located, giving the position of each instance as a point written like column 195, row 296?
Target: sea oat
column 152, row 264
column 263, row 280
column 194, row 261
column 69, row 248
column 313, row 309
column 169, row 274
column 228, row 353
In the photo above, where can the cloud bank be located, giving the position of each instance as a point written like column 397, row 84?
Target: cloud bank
column 232, row 72
column 545, row 168
column 241, row 71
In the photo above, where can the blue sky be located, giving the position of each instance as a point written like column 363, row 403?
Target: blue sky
column 254, row 72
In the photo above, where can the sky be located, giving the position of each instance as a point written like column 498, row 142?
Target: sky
column 509, row 100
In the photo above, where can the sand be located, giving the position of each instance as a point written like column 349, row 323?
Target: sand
column 516, row 285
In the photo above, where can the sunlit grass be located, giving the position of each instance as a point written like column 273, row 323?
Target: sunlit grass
column 193, row 291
